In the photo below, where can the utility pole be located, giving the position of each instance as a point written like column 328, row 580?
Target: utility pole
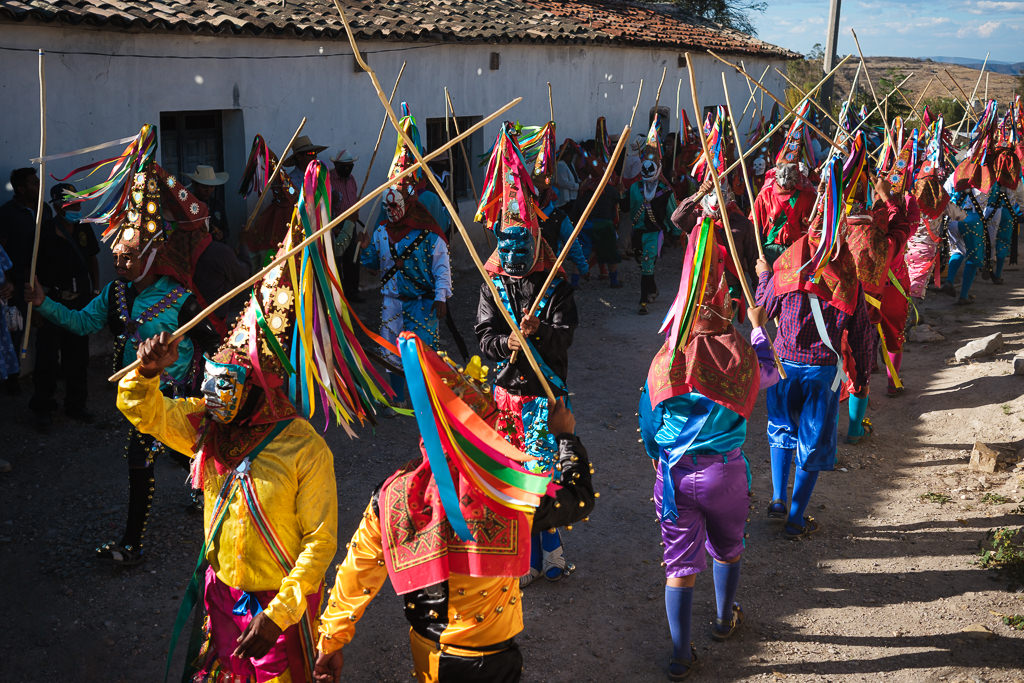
column 831, row 39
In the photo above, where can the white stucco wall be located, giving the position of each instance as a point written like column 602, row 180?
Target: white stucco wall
column 93, row 98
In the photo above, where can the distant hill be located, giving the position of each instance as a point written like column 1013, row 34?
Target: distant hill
column 1001, row 86
column 1011, row 68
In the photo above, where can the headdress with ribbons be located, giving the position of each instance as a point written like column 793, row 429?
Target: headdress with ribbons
column 404, row 158
column 268, row 229
column 715, row 131
column 538, row 145
column 509, row 199
column 703, row 352
column 1004, row 166
column 297, row 332
column 854, row 171
column 902, row 172
column 261, row 163
column 651, row 150
column 928, row 188
column 968, row 173
column 464, row 507
column 796, row 147
column 602, row 141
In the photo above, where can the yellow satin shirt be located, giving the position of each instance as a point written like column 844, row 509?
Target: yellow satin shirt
column 294, row 481
column 481, row 611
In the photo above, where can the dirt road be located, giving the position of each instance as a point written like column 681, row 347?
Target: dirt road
column 889, row 588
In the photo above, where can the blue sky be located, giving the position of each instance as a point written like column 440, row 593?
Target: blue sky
column 909, row 28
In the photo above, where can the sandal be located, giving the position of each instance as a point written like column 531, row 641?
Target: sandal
column 777, row 509
column 679, row 669
column 867, row 430
column 725, row 630
column 792, row 531
column 124, row 555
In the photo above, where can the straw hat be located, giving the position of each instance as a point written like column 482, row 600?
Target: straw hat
column 205, row 175
column 302, row 145
column 344, row 157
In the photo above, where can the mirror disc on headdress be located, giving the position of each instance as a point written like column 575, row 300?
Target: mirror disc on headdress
column 513, row 206
column 137, row 196
column 150, row 207
column 283, row 298
column 133, row 217
column 151, row 185
column 170, row 181
column 151, row 226
column 276, row 322
column 128, row 234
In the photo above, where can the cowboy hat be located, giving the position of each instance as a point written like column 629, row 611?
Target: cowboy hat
column 205, row 175
column 302, row 145
column 344, row 157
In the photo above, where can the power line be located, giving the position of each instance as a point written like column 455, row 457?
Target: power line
column 319, row 55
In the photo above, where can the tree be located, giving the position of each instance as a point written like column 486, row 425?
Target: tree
column 734, row 14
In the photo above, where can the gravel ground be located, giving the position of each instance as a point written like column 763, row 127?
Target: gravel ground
column 888, row 589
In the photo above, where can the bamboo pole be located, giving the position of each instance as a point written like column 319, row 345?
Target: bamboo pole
column 877, row 108
column 753, row 92
column 350, row 211
column 40, row 202
column 679, row 135
column 951, row 93
column 451, row 210
column 451, row 157
column 638, row 91
column 810, row 125
column 871, row 86
column 746, row 174
column 970, row 101
column 380, row 133
column 819, row 107
column 657, row 95
column 619, row 146
column 551, row 104
column 718, row 187
column 465, row 157
column 753, row 214
column 270, row 181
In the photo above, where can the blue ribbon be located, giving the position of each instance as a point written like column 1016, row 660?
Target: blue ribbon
column 424, row 412
column 247, row 604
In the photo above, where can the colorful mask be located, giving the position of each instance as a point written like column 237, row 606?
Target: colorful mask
column 224, row 389
column 517, row 250
column 759, row 166
column 394, row 204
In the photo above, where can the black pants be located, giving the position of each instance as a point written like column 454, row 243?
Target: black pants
column 58, row 350
column 350, row 270
column 501, row 667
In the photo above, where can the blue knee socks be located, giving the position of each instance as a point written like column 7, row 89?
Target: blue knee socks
column 998, row 271
column 781, row 459
column 858, row 408
column 536, row 554
column 970, row 270
column 678, row 604
column 803, row 486
column 397, row 383
column 727, row 579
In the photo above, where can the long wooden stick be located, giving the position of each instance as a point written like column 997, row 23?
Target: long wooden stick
column 465, row 158
column 970, row 101
column 746, row 174
column 679, row 136
column 951, row 93
column 803, row 96
column 638, row 92
column 877, row 108
column 657, row 95
column 871, row 86
column 753, row 92
column 619, row 146
column 273, row 176
column 448, row 205
column 786, row 107
column 380, row 133
column 350, row 211
column 718, row 187
column 551, row 104
column 40, row 202
column 753, row 214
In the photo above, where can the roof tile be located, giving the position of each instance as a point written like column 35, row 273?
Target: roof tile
column 618, row 22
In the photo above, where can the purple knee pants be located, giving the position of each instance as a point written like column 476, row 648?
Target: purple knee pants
column 712, row 497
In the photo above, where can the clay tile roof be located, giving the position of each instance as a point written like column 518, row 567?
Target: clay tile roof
column 618, row 22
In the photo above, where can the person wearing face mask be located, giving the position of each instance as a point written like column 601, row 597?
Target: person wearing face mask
column 69, row 273
column 651, row 203
column 345, row 193
column 153, row 239
column 783, row 206
column 518, row 268
column 271, row 502
column 410, row 251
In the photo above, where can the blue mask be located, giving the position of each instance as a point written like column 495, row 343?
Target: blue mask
column 516, row 250
column 224, row 389
column 73, row 216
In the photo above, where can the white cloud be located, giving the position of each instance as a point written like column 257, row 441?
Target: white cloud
column 989, row 6
column 988, row 28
